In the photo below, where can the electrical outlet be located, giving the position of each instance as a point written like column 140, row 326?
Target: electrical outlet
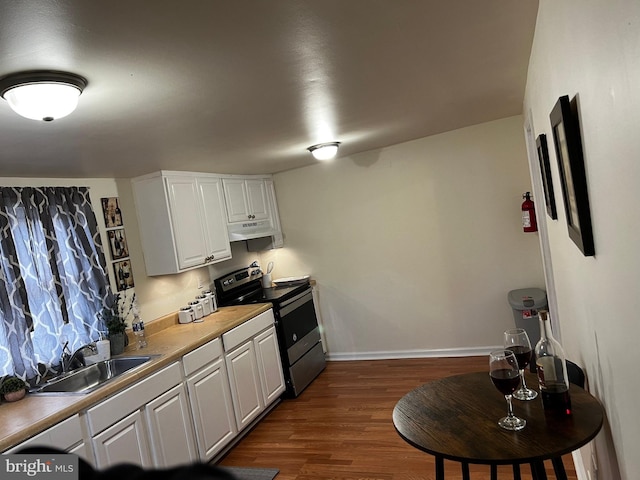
column 200, row 282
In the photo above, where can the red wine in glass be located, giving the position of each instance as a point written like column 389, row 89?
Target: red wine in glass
column 505, row 380
column 518, row 342
column 523, row 355
column 505, row 375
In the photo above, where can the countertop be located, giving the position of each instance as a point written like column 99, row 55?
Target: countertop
column 165, row 337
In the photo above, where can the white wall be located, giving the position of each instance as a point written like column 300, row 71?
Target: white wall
column 415, row 246
column 592, row 50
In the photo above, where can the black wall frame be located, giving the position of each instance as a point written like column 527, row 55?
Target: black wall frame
column 568, row 147
column 547, row 180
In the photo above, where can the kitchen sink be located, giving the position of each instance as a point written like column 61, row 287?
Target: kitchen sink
column 86, row 379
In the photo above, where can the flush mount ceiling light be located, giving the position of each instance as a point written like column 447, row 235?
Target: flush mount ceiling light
column 324, row 151
column 42, row 95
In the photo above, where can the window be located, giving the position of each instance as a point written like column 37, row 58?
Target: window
column 53, row 278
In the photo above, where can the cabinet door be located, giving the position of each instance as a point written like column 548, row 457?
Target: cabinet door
column 212, row 409
column 244, row 379
column 269, row 365
column 170, row 429
column 124, row 442
column 188, row 227
column 277, row 239
column 257, row 198
column 235, row 194
column 215, row 219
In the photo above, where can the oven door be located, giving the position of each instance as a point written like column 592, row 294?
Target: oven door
column 298, row 325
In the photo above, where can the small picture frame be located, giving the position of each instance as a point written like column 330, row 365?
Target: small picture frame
column 545, row 171
column 123, row 274
column 568, row 147
column 118, row 243
column 111, row 211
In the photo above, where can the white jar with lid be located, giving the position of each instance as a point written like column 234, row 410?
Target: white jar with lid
column 206, row 304
column 212, row 296
column 198, row 311
column 186, row 315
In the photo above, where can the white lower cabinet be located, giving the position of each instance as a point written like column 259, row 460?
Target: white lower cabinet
column 212, row 409
column 170, row 430
column 269, row 365
column 123, row 442
column 147, row 424
column 210, row 398
column 245, row 383
column 254, row 365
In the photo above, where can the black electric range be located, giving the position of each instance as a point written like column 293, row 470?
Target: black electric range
column 296, row 322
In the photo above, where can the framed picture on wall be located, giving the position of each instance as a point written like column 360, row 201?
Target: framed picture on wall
column 118, row 243
column 111, row 212
column 568, row 147
column 545, row 171
column 124, row 275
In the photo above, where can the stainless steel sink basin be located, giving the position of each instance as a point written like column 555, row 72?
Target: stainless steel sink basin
column 87, row 379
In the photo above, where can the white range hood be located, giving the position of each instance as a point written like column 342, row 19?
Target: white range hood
column 250, row 230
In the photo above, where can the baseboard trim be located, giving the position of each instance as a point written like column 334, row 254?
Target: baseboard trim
column 578, row 463
column 398, row 354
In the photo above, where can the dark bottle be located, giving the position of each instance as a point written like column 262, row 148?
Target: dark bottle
column 551, row 366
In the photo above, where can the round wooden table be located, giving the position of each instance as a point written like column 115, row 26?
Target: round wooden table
column 456, row 418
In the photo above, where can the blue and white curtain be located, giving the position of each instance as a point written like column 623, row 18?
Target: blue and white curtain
column 53, row 278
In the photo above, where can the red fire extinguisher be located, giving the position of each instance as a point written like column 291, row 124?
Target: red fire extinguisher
column 529, row 223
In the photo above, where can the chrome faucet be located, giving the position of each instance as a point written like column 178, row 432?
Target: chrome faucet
column 74, row 360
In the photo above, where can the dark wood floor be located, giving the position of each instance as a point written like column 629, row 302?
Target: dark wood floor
column 340, row 427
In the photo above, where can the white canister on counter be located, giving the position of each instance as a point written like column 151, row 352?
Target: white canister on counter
column 266, row 280
column 185, row 315
column 206, row 304
column 198, row 310
column 212, row 296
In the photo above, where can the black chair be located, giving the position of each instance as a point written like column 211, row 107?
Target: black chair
column 575, row 374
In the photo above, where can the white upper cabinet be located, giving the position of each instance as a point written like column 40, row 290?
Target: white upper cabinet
column 182, row 221
column 246, row 199
column 252, row 212
column 212, row 194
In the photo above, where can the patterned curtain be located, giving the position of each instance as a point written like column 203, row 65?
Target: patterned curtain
column 53, row 276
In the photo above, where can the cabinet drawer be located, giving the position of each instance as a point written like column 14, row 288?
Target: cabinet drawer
column 201, row 356
column 63, row 435
column 123, row 403
column 238, row 335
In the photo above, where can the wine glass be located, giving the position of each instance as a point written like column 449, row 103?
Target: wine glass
column 505, row 375
column 518, row 342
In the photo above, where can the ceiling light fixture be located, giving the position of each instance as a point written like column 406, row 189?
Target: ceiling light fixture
column 42, row 95
column 324, row 151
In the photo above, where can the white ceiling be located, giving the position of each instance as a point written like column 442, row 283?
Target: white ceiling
column 245, row 86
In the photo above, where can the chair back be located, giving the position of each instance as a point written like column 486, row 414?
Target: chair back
column 575, row 373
